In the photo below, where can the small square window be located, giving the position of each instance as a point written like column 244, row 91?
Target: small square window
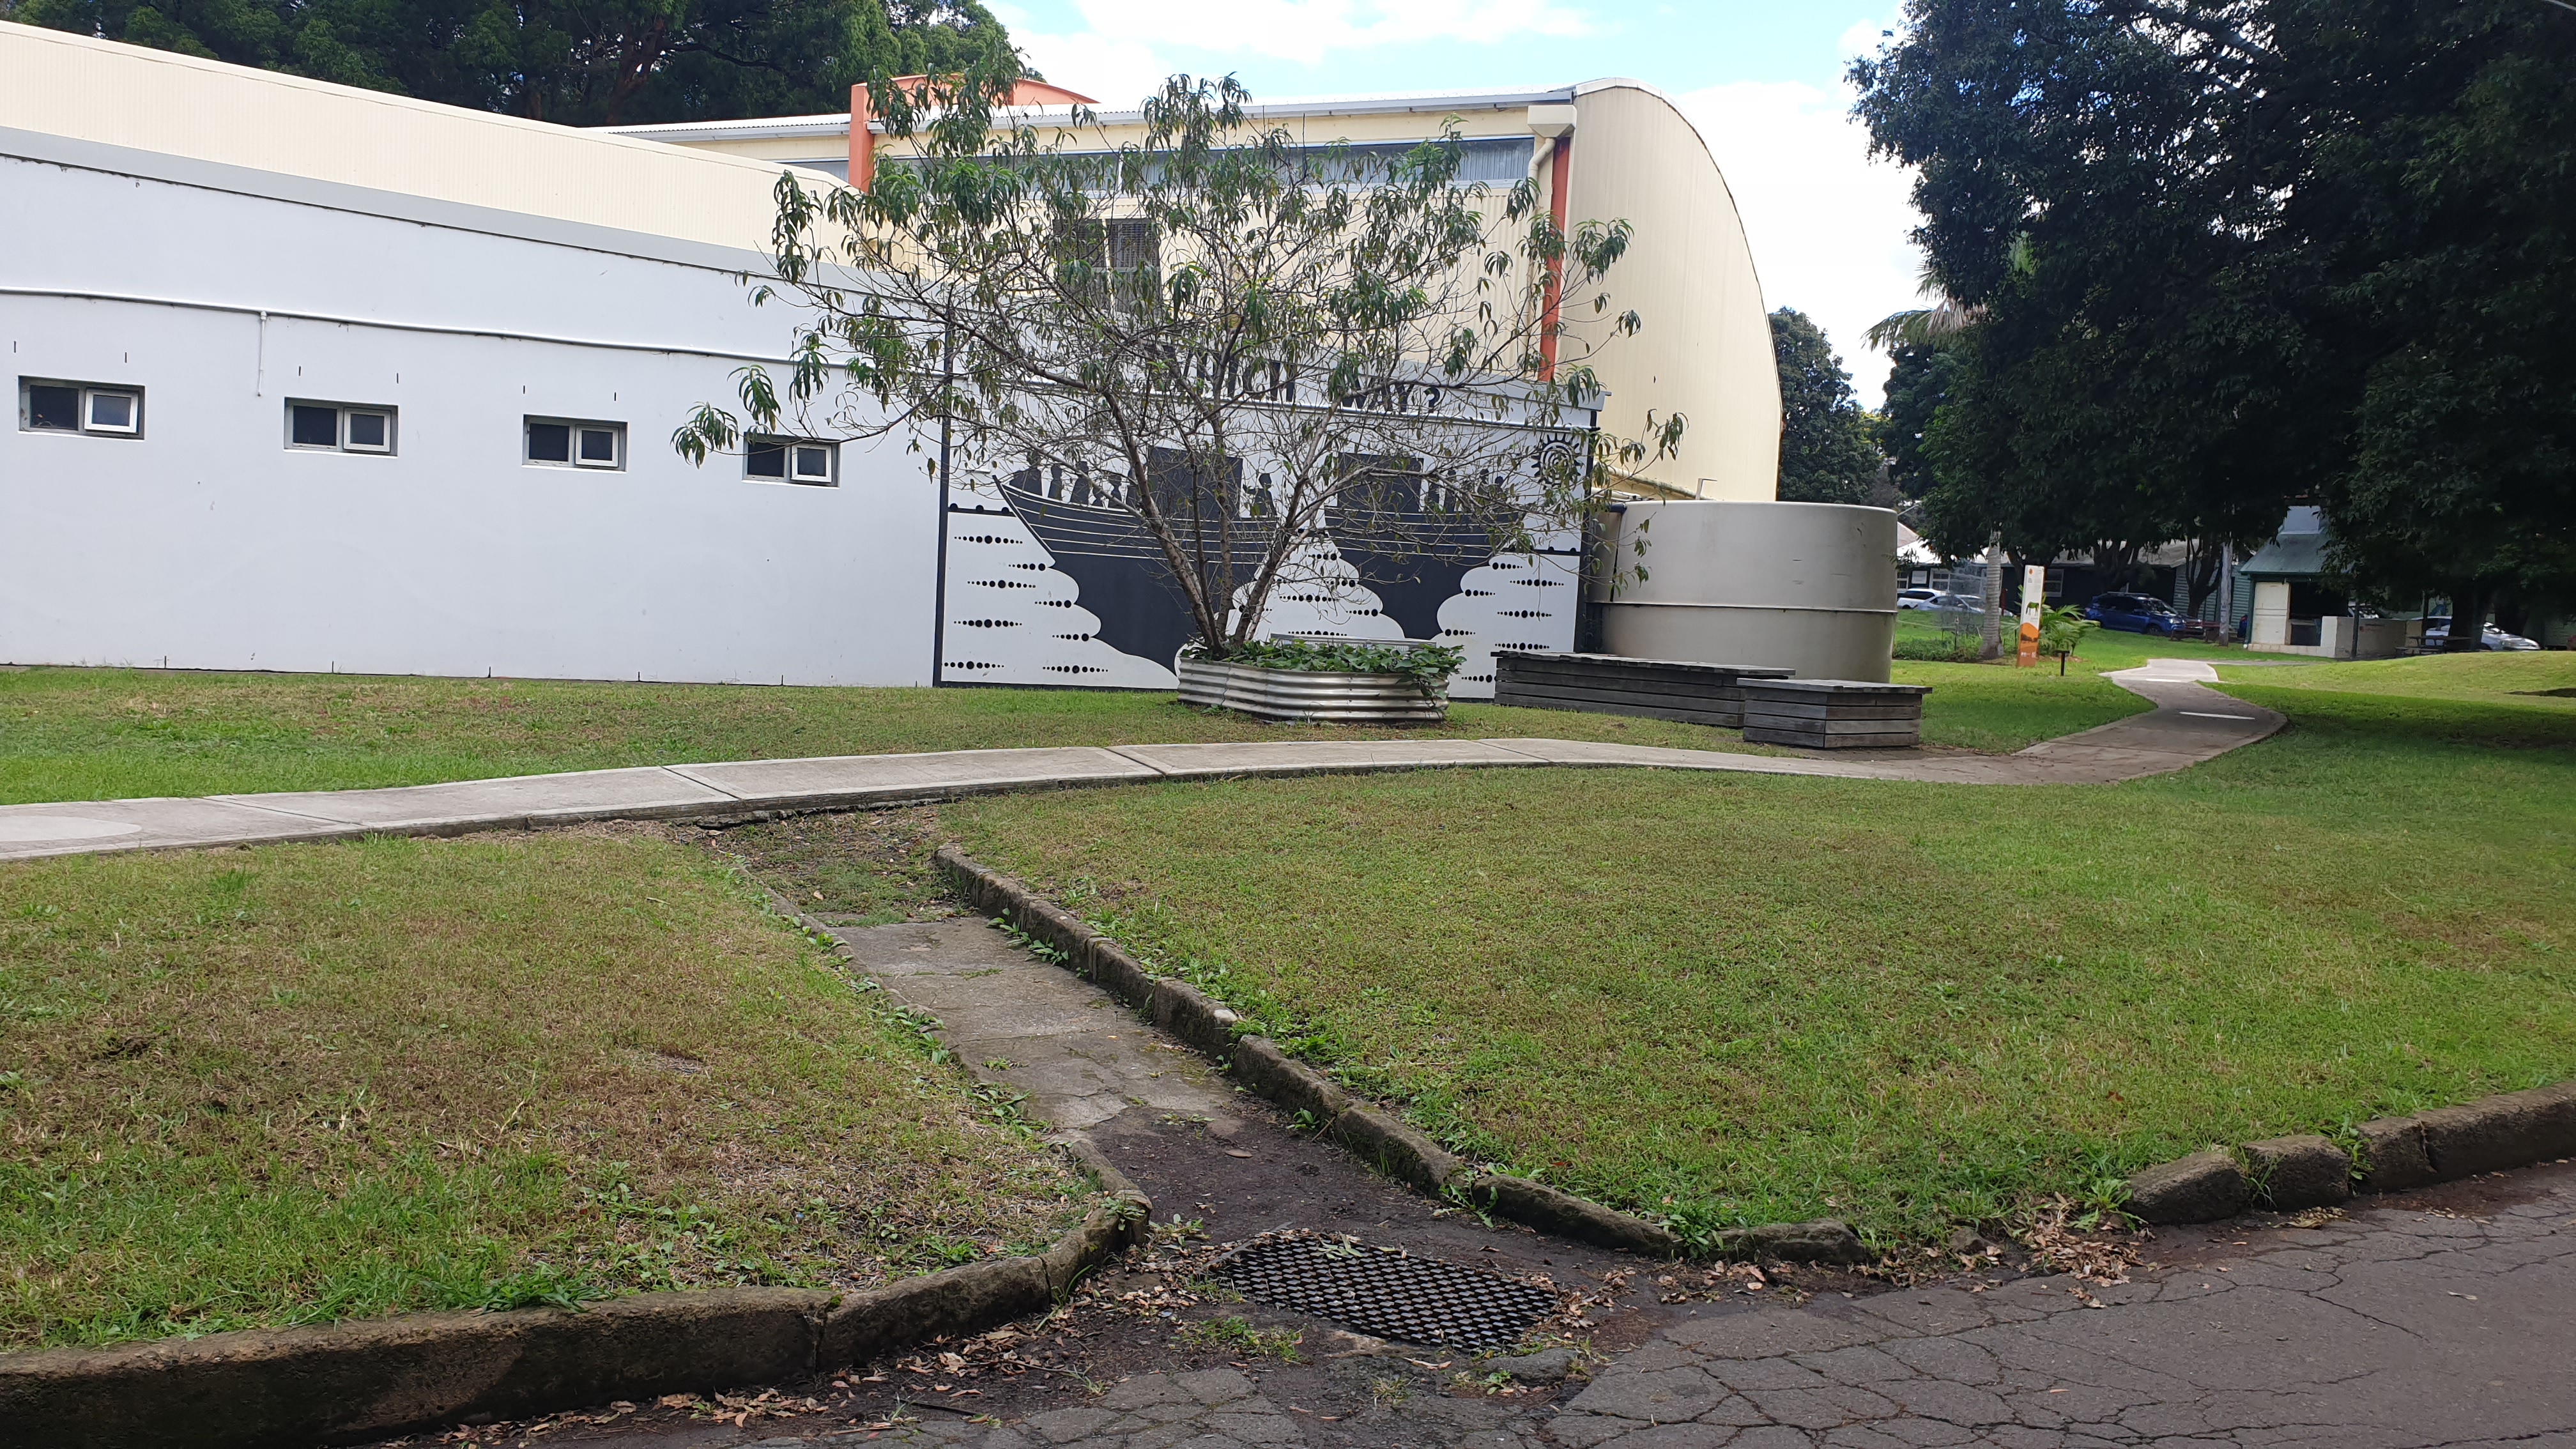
column 790, row 460
column 322, row 427
column 315, row 427
column 51, row 405
column 576, row 443
column 53, row 409
column 114, row 412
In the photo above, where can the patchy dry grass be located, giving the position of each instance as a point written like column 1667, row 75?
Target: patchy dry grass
column 303, row 1083
column 853, row 870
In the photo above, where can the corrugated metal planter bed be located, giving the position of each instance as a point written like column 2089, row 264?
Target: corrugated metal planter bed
column 1305, row 694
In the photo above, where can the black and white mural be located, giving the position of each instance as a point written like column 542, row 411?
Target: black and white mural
column 1051, row 580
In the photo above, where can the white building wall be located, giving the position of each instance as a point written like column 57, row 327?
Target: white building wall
column 206, row 543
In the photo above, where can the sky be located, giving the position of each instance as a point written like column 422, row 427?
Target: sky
column 1762, row 81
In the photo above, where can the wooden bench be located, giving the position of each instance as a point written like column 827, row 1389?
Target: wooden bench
column 1674, row 689
column 1833, row 714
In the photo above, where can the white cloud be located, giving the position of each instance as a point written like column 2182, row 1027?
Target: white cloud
column 1828, row 225
column 1865, row 36
column 1116, row 73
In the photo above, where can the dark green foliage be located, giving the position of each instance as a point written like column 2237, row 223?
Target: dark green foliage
column 2446, row 211
column 1828, row 453
column 1937, row 648
column 2228, row 253
column 1916, row 386
column 1428, row 666
column 629, row 61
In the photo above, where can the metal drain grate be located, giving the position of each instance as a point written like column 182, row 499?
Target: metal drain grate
column 1383, row 1292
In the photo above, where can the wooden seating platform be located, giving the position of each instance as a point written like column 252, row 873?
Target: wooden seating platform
column 1833, row 714
column 1674, row 689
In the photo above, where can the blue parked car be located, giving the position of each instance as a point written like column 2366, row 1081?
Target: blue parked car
column 2133, row 613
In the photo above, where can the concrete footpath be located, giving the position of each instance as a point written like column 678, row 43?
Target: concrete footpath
column 2189, row 724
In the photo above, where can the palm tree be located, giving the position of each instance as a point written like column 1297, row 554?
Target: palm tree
column 1946, row 320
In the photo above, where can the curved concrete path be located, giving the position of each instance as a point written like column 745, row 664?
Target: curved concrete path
column 2189, row 724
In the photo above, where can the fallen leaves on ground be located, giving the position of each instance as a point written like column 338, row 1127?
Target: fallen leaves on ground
column 2061, row 1240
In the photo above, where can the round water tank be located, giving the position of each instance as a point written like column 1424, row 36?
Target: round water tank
column 1803, row 586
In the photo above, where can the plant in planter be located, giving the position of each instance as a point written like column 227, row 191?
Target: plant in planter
column 1345, row 680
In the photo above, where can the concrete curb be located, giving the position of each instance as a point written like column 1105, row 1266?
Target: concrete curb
column 374, row 1378
column 351, row 1382
column 1377, row 1136
column 2286, row 1174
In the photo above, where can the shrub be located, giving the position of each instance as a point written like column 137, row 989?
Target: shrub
column 1938, row 648
column 1428, row 666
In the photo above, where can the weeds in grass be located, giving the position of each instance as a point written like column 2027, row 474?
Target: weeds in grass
column 543, row 1285
column 1237, row 1335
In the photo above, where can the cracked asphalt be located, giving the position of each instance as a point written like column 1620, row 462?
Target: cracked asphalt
column 2435, row 1318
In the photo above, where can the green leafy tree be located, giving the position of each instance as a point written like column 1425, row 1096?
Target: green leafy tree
column 1917, row 384
column 1828, row 445
column 631, row 61
column 2442, row 212
column 2218, row 254
column 1241, row 344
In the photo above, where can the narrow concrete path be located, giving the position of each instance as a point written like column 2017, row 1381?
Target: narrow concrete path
column 2189, row 724
column 1078, row 1056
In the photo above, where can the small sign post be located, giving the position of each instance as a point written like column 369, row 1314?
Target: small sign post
column 2034, row 599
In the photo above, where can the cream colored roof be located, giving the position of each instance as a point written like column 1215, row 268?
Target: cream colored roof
column 837, row 123
column 153, row 100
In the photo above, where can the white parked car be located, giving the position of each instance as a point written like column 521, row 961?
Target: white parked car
column 1935, row 599
column 2437, row 634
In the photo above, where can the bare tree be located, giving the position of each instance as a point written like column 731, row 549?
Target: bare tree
column 1242, row 343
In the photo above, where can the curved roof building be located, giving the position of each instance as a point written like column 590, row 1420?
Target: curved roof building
column 1603, row 150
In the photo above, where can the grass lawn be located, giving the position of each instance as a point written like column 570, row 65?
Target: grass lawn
column 94, row 734
column 1997, row 708
column 1747, row 999
column 304, row 1083
column 2521, row 681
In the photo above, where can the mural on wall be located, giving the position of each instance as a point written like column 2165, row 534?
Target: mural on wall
column 1052, row 580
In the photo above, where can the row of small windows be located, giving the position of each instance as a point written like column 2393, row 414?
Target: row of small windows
column 51, row 406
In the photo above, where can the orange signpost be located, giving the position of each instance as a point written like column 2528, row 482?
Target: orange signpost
column 2034, row 598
